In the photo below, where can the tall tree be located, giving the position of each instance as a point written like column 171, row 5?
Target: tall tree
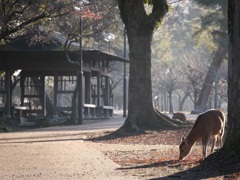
column 232, row 142
column 140, row 27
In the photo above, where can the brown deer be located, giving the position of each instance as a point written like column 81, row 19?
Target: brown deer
column 208, row 124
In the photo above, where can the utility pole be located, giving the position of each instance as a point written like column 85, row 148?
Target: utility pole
column 80, row 77
column 124, row 80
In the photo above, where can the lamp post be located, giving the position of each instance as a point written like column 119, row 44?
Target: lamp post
column 108, row 38
column 80, row 71
column 80, row 77
column 124, row 79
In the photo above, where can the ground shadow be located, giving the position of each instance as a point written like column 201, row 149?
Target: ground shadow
column 158, row 164
column 114, row 135
column 211, row 167
column 118, row 134
column 42, row 141
column 41, row 138
column 204, row 172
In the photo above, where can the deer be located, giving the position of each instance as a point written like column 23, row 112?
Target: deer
column 210, row 123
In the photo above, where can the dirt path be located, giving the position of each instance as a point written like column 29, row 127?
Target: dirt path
column 53, row 155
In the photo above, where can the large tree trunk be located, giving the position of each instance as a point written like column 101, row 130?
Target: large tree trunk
column 140, row 94
column 141, row 113
column 232, row 142
column 211, row 75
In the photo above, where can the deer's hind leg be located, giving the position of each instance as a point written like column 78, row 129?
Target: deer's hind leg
column 214, row 139
column 220, row 136
column 220, row 141
column 205, row 141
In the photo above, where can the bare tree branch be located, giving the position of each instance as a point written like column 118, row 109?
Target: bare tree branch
column 17, row 15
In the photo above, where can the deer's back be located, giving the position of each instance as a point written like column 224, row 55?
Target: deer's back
column 210, row 122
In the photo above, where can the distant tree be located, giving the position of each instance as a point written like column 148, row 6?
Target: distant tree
column 211, row 77
column 170, row 82
column 194, row 72
column 174, row 45
column 216, row 22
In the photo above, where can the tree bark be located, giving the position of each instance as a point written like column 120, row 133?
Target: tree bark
column 140, row 27
column 232, row 142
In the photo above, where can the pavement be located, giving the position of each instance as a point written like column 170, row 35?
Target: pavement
column 57, row 153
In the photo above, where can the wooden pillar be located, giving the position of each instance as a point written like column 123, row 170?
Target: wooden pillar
column 22, row 85
column 98, row 88
column 8, row 93
column 107, row 91
column 55, row 90
column 43, row 95
column 87, row 88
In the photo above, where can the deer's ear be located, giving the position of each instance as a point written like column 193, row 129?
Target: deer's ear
column 184, row 140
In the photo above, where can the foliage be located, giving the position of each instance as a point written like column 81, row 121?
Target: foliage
column 16, row 17
column 21, row 17
column 178, row 45
column 215, row 20
column 152, row 20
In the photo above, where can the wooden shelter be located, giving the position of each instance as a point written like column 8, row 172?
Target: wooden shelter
column 33, row 68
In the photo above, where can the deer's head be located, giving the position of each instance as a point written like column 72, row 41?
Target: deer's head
column 184, row 149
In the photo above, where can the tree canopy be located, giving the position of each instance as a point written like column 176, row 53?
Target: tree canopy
column 18, row 16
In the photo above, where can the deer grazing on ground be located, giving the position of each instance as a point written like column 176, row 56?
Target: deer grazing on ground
column 208, row 124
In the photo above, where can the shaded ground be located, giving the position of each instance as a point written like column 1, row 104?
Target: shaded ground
column 155, row 156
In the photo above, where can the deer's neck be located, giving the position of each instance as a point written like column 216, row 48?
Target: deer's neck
column 193, row 136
